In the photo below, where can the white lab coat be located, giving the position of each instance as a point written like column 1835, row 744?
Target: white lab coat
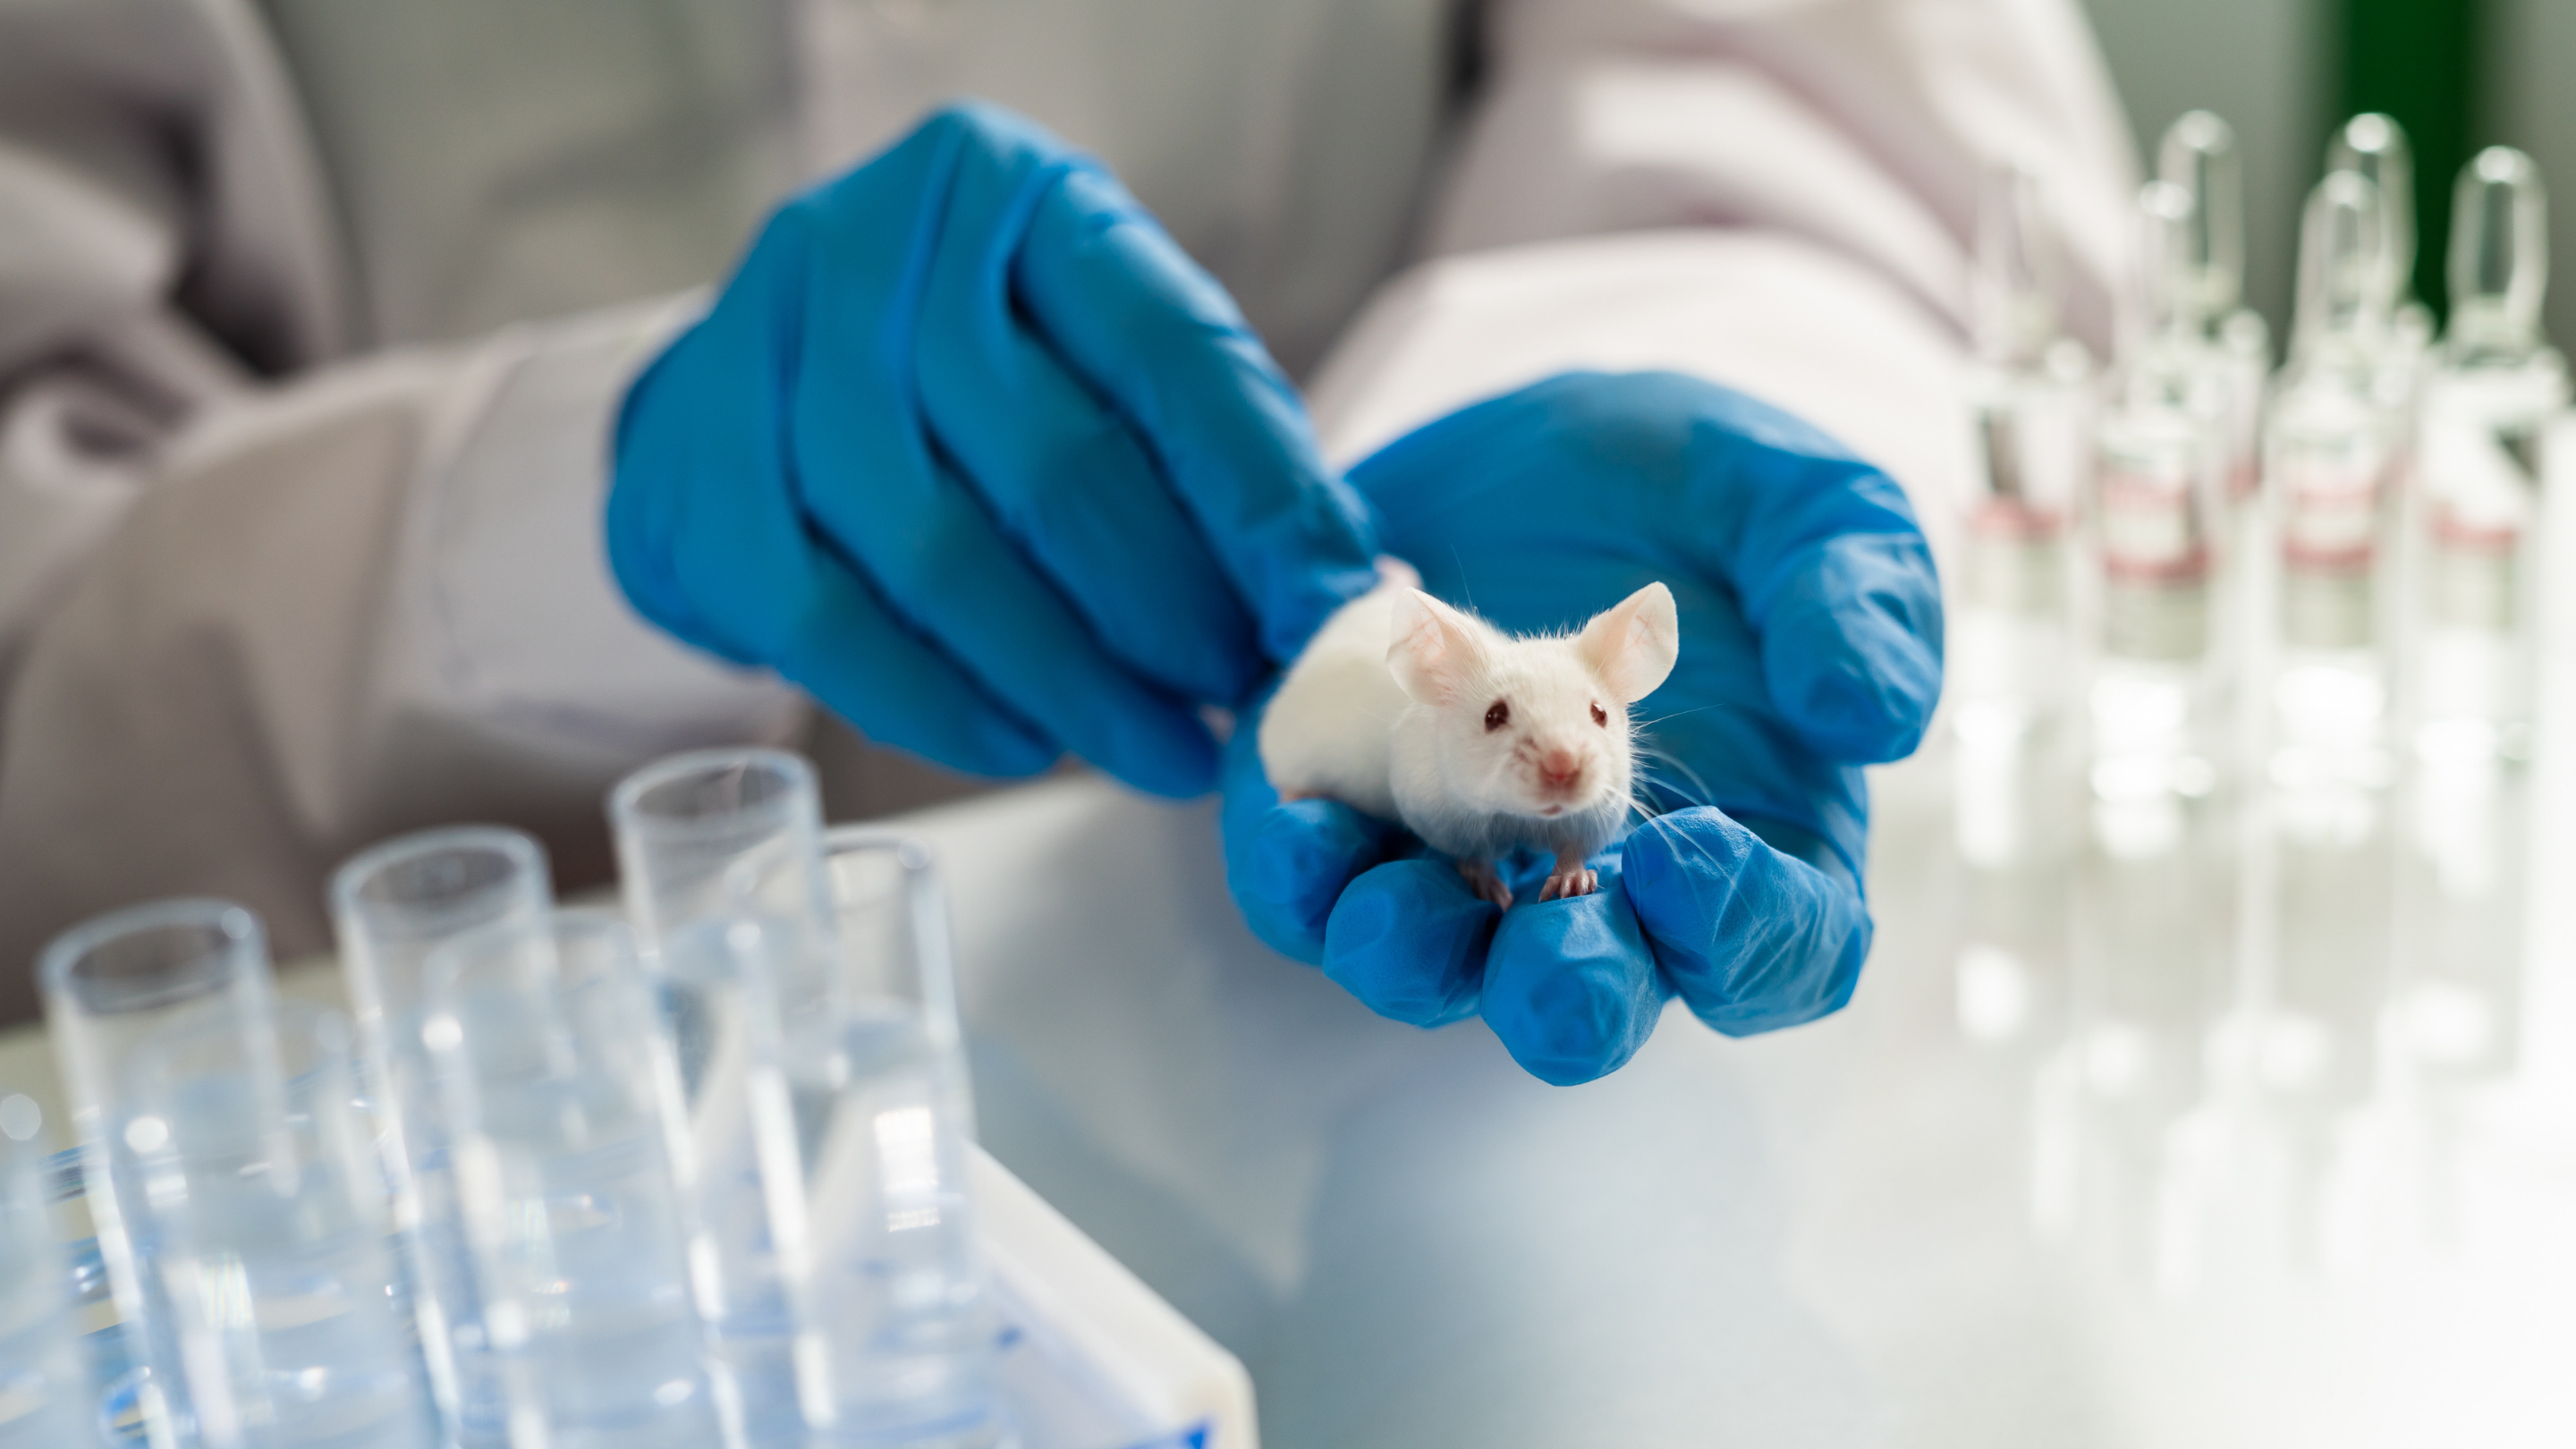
column 311, row 317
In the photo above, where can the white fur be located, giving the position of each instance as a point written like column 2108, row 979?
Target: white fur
column 1385, row 712
column 1331, row 723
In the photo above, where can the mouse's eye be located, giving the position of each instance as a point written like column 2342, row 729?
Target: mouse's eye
column 1497, row 715
column 1600, row 716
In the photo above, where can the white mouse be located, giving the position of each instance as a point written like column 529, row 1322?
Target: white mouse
column 1409, row 710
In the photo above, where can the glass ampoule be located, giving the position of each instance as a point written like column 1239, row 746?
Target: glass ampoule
column 2329, row 451
column 2200, row 155
column 2160, row 462
column 2225, row 346
column 2374, row 147
column 2028, row 395
column 2012, row 642
column 2495, row 385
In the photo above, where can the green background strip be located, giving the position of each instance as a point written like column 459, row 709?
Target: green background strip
column 2417, row 60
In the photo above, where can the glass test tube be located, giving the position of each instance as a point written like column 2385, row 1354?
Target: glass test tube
column 391, row 906
column 721, row 854
column 560, row 1093
column 899, row 1342
column 815, row 1030
column 108, row 985
column 46, row 1399
column 726, row 834
column 242, row 1218
column 275, row 1243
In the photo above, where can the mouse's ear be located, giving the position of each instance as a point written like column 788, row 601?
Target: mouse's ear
column 1435, row 653
column 1632, row 644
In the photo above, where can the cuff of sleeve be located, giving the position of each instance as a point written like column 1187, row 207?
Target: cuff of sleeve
column 517, row 623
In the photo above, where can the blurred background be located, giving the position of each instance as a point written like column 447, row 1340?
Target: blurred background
column 2458, row 74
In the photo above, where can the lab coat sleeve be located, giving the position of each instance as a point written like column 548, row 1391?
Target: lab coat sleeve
column 164, row 236
column 1860, row 126
column 1777, row 196
column 95, row 369
column 367, row 601
column 260, row 603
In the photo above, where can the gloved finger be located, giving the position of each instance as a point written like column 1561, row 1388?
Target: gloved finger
column 1570, row 985
column 1851, row 647
column 788, row 602
column 1818, row 550
column 881, row 492
column 1751, row 939
column 1408, row 939
column 1068, row 480
column 943, row 564
column 1287, row 864
column 1162, row 343
column 1833, row 573
column 864, row 665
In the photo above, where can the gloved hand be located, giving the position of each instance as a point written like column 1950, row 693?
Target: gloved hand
column 1810, row 645
column 970, row 450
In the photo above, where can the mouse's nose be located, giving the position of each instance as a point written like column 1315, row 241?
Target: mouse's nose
column 1560, row 768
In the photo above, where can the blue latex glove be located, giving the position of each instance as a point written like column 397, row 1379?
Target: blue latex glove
column 1810, row 645
column 970, row 450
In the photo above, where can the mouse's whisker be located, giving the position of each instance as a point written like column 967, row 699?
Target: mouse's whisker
column 1640, row 810
column 1660, row 760
column 1699, row 847
column 1652, row 798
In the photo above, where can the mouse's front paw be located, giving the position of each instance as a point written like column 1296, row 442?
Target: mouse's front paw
column 1564, row 884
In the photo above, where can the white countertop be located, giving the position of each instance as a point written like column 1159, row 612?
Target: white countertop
column 2011, row 1197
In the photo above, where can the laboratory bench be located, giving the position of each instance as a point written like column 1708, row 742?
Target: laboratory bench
column 2100, row 1154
